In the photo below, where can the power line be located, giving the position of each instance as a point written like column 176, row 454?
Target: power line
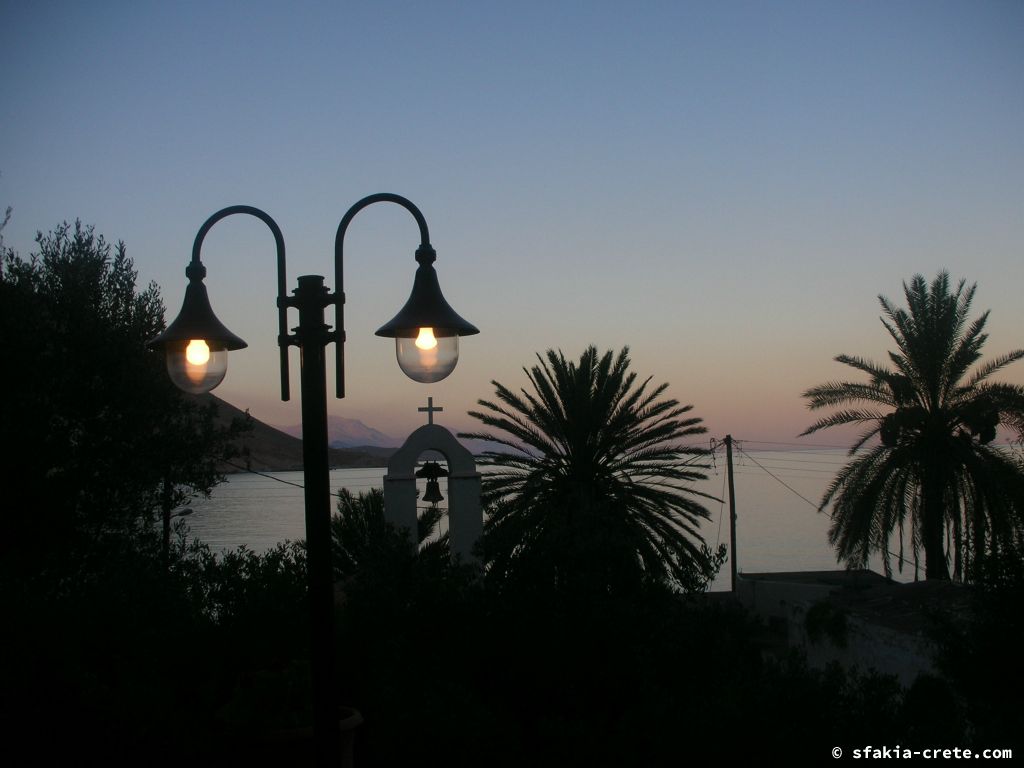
column 777, row 478
column 721, row 512
column 901, row 558
column 263, row 474
column 799, row 445
column 801, row 469
column 834, row 462
column 245, row 470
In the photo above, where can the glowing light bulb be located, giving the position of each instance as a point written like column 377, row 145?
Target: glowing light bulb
column 427, row 357
column 197, row 365
column 198, row 352
column 426, row 339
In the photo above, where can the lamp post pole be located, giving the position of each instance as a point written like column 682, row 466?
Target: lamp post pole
column 312, row 337
column 426, row 332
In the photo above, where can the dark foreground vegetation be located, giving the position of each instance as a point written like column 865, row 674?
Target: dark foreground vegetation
column 207, row 663
column 595, row 645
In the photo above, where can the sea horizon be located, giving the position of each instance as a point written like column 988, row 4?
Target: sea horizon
column 778, row 526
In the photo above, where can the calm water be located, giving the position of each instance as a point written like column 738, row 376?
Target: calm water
column 776, row 529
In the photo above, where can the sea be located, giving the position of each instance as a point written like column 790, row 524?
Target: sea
column 778, row 525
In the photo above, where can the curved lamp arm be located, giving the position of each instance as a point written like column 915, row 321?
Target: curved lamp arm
column 424, row 253
column 196, row 268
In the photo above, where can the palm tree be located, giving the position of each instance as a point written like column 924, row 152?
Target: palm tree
column 596, row 491
column 362, row 538
column 934, row 472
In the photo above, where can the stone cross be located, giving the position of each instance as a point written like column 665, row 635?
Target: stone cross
column 430, row 410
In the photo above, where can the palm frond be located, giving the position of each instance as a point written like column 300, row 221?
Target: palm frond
column 877, row 372
column 992, row 366
column 834, row 393
column 853, row 416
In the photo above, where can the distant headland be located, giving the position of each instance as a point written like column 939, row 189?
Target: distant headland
column 268, row 449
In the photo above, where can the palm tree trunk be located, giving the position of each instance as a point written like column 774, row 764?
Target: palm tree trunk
column 978, row 533
column 933, row 530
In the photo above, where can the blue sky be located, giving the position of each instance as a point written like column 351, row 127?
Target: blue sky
column 725, row 187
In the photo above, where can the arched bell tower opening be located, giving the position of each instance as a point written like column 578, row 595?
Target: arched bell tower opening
column 464, row 518
column 432, row 495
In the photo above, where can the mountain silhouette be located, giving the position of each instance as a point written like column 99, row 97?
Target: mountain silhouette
column 343, row 432
column 268, row 449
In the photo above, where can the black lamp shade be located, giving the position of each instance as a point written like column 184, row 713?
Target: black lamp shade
column 426, row 308
column 197, row 321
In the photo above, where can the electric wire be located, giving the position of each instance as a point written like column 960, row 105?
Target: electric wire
column 903, row 560
column 262, row 491
column 263, row 474
column 837, row 462
column 776, row 477
column 721, row 511
column 799, row 445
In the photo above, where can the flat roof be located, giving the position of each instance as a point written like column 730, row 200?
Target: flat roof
column 860, row 577
column 909, row 608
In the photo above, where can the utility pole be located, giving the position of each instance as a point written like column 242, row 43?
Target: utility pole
column 732, row 513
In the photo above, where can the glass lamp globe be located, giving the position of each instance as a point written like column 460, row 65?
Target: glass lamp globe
column 196, row 366
column 430, row 356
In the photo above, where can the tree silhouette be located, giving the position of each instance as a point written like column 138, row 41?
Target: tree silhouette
column 597, row 493
column 935, row 473
column 94, row 424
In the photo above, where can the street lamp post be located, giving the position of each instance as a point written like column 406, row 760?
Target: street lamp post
column 426, row 332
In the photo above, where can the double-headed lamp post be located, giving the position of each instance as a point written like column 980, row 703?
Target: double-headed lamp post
column 426, row 332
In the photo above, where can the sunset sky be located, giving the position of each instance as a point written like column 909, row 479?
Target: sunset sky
column 725, row 187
